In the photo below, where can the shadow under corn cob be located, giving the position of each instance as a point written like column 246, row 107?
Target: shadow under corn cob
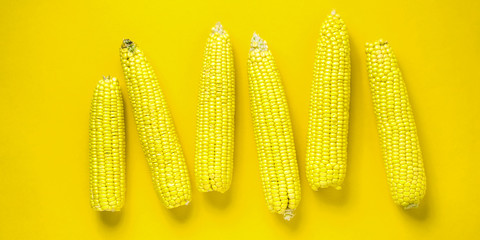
column 155, row 127
column 107, row 147
column 396, row 126
column 326, row 161
column 273, row 131
column 216, row 115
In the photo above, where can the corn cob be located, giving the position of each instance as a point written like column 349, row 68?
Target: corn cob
column 107, row 147
column 155, row 126
column 396, row 126
column 273, row 131
column 215, row 115
column 329, row 107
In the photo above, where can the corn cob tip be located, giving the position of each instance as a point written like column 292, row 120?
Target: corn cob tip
column 370, row 47
column 258, row 43
column 108, row 78
column 129, row 44
column 378, row 42
column 288, row 214
column 334, row 14
column 410, row 206
column 218, row 28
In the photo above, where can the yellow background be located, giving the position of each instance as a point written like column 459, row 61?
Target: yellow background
column 53, row 53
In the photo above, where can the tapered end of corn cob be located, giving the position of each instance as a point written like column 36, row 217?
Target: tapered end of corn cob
column 109, row 79
column 129, row 44
column 370, row 47
column 337, row 21
column 258, row 43
column 218, row 28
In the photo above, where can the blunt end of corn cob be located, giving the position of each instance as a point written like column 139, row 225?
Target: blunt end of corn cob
column 410, row 206
column 210, row 188
column 334, row 184
column 216, row 188
column 258, row 43
column 289, row 214
column 316, row 186
column 221, row 190
column 103, row 209
column 334, row 12
column 178, row 204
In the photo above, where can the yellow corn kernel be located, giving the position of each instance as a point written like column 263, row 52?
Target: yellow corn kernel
column 396, row 126
column 155, row 127
column 215, row 115
column 107, row 147
column 273, row 131
column 326, row 161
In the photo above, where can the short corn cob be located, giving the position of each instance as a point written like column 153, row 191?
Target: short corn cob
column 329, row 107
column 396, row 126
column 215, row 115
column 107, row 147
column 273, row 131
column 155, row 127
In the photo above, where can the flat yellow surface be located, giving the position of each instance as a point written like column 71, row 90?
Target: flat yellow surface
column 53, row 52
